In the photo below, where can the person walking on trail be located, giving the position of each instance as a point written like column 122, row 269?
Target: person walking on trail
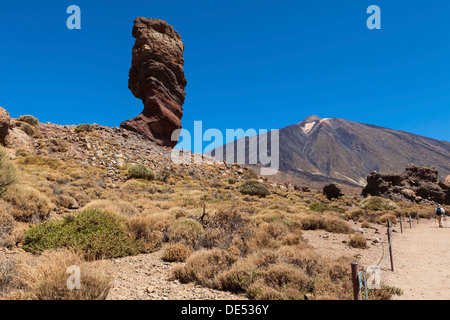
column 439, row 212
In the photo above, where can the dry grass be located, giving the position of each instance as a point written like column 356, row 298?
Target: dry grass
column 358, row 241
column 118, row 207
column 203, row 266
column 7, row 224
column 45, row 278
column 8, row 172
column 150, row 229
column 28, row 203
column 176, row 252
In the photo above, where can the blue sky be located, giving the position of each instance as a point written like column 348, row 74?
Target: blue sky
column 249, row 64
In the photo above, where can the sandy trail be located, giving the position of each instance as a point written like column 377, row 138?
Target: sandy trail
column 421, row 261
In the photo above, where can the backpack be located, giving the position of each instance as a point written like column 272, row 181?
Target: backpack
column 438, row 211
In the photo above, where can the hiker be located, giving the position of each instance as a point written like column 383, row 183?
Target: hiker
column 439, row 211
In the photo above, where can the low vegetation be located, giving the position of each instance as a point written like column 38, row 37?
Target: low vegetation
column 254, row 188
column 221, row 226
column 140, row 171
column 378, row 204
column 92, row 233
column 8, row 172
column 45, row 278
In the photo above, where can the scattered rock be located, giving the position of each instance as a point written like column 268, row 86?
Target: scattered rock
column 74, row 205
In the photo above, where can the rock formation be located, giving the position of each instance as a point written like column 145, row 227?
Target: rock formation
column 157, row 78
column 332, row 191
column 5, row 121
column 416, row 184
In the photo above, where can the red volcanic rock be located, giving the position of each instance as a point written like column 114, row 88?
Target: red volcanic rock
column 157, row 78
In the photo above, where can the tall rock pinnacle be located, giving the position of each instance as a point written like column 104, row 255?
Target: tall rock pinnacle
column 157, row 78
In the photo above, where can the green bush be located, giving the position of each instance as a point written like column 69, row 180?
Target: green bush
column 8, row 172
column 139, row 171
column 93, row 233
column 83, row 128
column 377, row 204
column 28, row 129
column 29, row 119
column 254, row 188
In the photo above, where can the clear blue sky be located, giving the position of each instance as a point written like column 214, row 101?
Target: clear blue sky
column 249, row 64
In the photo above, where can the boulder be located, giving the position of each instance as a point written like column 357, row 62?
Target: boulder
column 332, row 191
column 5, row 122
column 415, row 184
column 157, row 78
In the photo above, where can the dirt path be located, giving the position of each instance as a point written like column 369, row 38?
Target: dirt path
column 421, row 262
column 146, row 277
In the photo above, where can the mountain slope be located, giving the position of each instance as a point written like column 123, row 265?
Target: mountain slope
column 317, row 151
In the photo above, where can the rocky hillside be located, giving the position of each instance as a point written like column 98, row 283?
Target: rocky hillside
column 112, row 202
column 316, row 151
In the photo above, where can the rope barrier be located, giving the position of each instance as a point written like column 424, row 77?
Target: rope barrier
column 387, row 253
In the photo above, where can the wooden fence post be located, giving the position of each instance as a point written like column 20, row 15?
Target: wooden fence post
column 355, row 280
column 401, row 224
column 410, row 226
column 389, row 234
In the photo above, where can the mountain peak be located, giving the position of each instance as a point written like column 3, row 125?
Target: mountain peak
column 310, row 123
column 310, row 119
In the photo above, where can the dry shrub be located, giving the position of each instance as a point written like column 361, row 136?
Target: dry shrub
column 292, row 239
column 329, row 223
column 176, row 252
column 223, row 227
column 260, row 291
column 304, row 258
column 46, row 278
column 337, row 225
column 138, row 185
column 358, row 241
column 203, row 266
column 237, row 279
column 7, row 224
column 7, row 276
column 292, row 282
column 263, row 258
column 313, row 222
column 8, row 172
column 31, row 120
column 388, row 217
column 366, row 225
column 27, row 203
column 150, row 229
column 186, row 231
column 118, row 207
column 356, row 214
